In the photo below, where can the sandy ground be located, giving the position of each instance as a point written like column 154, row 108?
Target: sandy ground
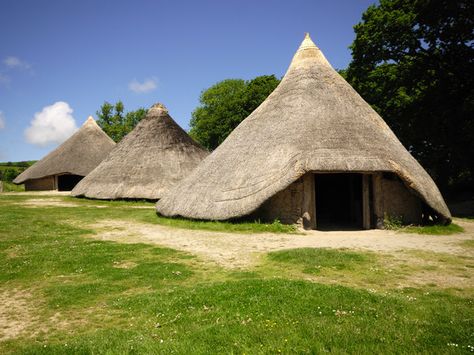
column 16, row 313
column 49, row 202
column 233, row 250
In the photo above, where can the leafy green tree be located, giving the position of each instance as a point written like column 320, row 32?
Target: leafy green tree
column 225, row 104
column 413, row 61
column 9, row 174
column 116, row 123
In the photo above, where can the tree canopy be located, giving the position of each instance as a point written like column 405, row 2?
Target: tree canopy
column 224, row 105
column 116, row 123
column 413, row 62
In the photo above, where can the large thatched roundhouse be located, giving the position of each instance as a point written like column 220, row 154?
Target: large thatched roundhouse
column 65, row 166
column 313, row 152
column 146, row 163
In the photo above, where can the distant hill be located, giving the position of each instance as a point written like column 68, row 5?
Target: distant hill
column 17, row 164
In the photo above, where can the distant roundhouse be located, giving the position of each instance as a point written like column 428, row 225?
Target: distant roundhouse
column 65, row 166
column 146, row 162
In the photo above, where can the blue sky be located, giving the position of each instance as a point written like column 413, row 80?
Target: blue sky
column 61, row 59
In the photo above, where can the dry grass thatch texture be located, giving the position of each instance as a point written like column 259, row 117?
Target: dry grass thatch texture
column 146, row 163
column 78, row 155
column 314, row 121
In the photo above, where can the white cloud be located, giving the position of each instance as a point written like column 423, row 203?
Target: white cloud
column 15, row 62
column 141, row 88
column 2, row 120
column 54, row 124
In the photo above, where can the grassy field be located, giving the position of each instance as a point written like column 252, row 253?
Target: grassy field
column 64, row 292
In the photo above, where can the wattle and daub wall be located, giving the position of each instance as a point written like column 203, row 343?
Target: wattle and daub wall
column 296, row 204
column 45, row 183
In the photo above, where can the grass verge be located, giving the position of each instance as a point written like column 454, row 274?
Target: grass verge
column 433, row 230
column 234, row 227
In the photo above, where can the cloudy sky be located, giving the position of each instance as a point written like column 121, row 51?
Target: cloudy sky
column 61, row 59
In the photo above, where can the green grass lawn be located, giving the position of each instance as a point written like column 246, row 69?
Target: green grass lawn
column 79, row 295
column 11, row 187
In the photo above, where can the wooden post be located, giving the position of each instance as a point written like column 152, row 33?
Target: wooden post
column 378, row 200
column 365, row 201
column 309, row 203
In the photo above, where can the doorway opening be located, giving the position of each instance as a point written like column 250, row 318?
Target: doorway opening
column 67, row 182
column 339, row 203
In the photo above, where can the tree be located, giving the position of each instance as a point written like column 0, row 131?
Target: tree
column 413, row 61
column 115, row 123
column 225, row 104
column 9, row 174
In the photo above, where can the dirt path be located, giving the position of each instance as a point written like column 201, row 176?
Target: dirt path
column 239, row 250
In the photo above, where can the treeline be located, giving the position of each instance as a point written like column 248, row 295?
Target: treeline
column 10, row 170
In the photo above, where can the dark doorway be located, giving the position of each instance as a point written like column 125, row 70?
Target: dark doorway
column 67, row 182
column 338, row 201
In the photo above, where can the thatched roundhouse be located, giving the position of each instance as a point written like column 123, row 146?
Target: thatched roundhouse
column 146, row 163
column 313, row 152
column 65, row 166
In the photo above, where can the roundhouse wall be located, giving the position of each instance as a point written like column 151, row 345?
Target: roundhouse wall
column 398, row 202
column 46, row 183
column 285, row 206
column 296, row 204
column 293, row 205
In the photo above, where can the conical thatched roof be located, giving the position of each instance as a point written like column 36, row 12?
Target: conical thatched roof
column 313, row 121
column 146, row 163
column 78, row 155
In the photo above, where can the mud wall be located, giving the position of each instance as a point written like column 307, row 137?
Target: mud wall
column 46, row 183
column 399, row 202
column 286, row 205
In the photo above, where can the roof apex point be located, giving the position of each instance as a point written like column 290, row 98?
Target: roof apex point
column 159, row 106
column 307, row 42
column 90, row 120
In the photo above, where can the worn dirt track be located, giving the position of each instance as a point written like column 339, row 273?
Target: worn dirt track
column 237, row 250
column 234, row 250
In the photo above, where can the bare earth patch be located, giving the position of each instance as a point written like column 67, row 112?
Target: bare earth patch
column 124, row 264
column 233, row 250
column 47, row 202
column 16, row 313
column 52, row 202
column 19, row 316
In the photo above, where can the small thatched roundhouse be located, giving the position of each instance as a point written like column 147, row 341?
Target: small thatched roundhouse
column 146, row 163
column 65, row 166
column 313, row 152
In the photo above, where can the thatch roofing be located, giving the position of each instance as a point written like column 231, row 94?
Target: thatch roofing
column 78, row 155
column 314, row 121
column 146, row 163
